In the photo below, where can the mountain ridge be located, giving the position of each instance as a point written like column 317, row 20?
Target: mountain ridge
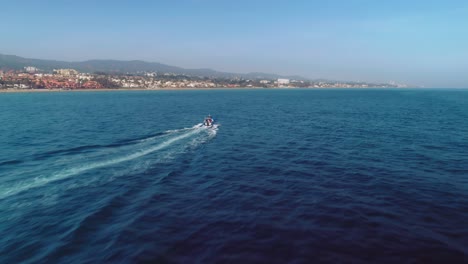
column 14, row 62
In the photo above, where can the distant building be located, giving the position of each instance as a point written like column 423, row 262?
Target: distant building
column 151, row 74
column 264, row 81
column 31, row 69
column 283, row 81
column 66, row 72
column 87, row 77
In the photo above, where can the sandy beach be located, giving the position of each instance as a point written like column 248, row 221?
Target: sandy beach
column 122, row 89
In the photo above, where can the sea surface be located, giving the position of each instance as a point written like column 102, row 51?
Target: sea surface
column 289, row 176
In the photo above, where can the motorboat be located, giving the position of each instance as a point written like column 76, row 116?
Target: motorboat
column 209, row 121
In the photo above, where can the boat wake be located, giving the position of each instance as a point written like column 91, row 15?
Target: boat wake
column 153, row 149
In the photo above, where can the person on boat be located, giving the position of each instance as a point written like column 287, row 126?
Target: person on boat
column 208, row 120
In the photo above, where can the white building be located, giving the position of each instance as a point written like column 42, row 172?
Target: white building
column 66, row 72
column 264, row 81
column 283, row 81
column 31, row 69
column 151, row 74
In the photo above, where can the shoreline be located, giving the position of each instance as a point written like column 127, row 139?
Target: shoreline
column 188, row 89
column 123, row 89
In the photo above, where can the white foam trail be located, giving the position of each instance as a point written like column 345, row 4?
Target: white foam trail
column 40, row 181
column 168, row 133
column 184, row 129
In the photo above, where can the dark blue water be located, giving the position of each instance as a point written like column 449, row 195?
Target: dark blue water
column 299, row 176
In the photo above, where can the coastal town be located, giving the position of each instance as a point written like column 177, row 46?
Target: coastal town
column 32, row 78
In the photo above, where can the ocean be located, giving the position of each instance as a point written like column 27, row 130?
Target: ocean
column 289, row 176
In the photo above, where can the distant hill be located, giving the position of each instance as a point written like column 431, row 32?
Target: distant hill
column 12, row 62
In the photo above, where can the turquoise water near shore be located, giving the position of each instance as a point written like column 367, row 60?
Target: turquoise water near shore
column 362, row 176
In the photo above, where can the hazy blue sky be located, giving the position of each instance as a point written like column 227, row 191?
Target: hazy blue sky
column 422, row 42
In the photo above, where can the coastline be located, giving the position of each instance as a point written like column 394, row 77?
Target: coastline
column 124, row 89
column 179, row 89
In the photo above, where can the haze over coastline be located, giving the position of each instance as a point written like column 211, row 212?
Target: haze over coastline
column 17, row 73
